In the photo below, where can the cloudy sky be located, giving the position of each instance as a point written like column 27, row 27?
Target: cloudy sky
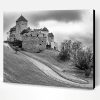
column 64, row 24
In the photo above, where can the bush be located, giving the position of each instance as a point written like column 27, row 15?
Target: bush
column 17, row 43
column 76, row 45
column 83, row 59
column 64, row 55
column 65, row 50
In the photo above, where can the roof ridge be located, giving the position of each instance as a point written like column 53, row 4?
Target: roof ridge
column 21, row 18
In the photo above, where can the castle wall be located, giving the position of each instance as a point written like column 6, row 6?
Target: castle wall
column 50, row 39
column 46, row 35
column 34, row 43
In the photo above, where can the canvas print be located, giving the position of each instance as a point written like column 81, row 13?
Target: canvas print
column 49, row 48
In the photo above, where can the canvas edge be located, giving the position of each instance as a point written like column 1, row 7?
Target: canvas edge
column 94, row 48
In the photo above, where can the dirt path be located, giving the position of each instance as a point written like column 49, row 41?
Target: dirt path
column 50, row 73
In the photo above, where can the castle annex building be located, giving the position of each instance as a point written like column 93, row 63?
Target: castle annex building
column 33, row 40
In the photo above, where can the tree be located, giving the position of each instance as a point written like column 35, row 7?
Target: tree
column 76, row 45
column 80, row 57
column 12, row 29
column 65, row 52
column 83, row 59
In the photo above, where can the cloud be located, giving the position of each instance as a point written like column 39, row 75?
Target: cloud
column 58, row 15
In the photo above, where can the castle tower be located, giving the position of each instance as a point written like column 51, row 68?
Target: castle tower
column 21, row 24
column 50, row 38
column 45, row 31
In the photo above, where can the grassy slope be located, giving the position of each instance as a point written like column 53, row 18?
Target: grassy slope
column 51, row 57
column 19, row 70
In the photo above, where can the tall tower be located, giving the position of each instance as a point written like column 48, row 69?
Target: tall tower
column 21, row 24
column 45, row 31
column 50, row 38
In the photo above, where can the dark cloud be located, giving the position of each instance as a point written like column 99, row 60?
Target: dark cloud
column 58, row 15
column 36, row 16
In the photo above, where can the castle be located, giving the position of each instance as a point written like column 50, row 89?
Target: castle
column 34, row 40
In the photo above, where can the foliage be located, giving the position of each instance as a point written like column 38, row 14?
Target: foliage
column 12, row 29
column 80, row 57
column 65, row 50
column 76, row 45
column 83, row 59
column 17, row 43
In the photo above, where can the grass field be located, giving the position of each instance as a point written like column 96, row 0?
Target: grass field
column 52, row 57
column 19, row 70
column 49, row 57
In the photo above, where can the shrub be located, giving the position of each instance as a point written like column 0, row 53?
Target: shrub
column 77, row 45
column 17, row 43
column 83, row 59
column 64, row 55
column 65, row 50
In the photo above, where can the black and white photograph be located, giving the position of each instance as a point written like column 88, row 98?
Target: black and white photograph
column 49, row 48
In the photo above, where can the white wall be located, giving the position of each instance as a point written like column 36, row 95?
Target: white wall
column 33, row 92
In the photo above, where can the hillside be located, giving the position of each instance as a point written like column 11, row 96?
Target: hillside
column 40, row 69
column 65, row 70
column 19, row 70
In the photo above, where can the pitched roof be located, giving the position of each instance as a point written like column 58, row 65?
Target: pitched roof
column 50, row 35
column 37, row 29
column 21, row 18
column 45, row 29
column 25, row 31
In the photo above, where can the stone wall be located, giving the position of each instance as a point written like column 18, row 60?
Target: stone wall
column 34, row 43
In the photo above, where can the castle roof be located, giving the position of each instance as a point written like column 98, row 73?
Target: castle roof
column 21, row 18
column 50, row 35
column 37, row 29
column 45, row 29
column 25, row 31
